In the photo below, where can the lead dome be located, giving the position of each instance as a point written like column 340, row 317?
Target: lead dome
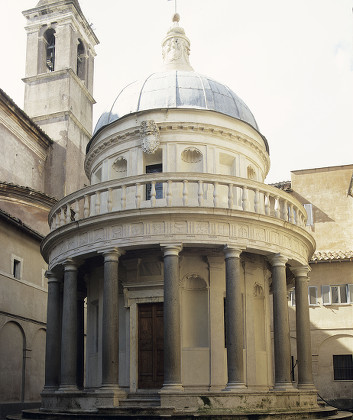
column 177, row 86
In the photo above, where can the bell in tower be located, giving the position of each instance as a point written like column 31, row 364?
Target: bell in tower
column 59, row 87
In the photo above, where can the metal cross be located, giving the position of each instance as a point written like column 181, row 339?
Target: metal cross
column 175, row 5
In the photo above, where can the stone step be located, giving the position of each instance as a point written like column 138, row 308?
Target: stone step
column 341, row 415
column 140, row 402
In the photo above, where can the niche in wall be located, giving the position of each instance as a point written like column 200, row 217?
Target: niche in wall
column 195, row 312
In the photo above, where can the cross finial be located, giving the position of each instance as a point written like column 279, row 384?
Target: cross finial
column 175, row 6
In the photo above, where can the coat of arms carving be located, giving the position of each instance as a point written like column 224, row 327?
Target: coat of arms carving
column 149, row 134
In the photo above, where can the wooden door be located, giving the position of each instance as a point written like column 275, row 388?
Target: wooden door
column 150, row 345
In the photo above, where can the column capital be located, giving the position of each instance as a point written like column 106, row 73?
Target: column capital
column 52, row 277
column 112, row 254
column 232, row 251
column 277, row 260
column 171, row 249
column 70, row 265
column 301, row 271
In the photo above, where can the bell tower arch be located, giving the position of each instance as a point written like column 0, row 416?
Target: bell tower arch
column 59, row 87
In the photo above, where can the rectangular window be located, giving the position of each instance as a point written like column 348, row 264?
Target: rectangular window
column 337, row 294
column 16, row 269
column 312, row 292
column 292, row 367
column 342, row 367
column 152, row 169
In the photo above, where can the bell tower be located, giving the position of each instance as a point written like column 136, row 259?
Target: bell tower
column 59, row 87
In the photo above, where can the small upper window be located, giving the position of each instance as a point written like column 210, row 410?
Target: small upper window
column 16, row 269
column 251, row 172
column 49, row 38
column 342, row 367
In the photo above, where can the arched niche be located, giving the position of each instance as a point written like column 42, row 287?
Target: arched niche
column 192, row 160
column 119, row 168
column 195, row 324
column 12, row 367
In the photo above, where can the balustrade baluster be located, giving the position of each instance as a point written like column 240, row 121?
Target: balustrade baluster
column 123, row 197
column 110, row 200
column 230, row 196
column 257, row 201
column 169, row 193
column 68, row 214
column 267, row 204
column 138, row 195
column 86, row 206
column 285, row 210
column 97, row 204
column 185, row 193
column 291, row 214
column 62, row 216
column 153, row 193
column 215, row 194
column 277, row 208
column 245, row 199
column 77, row 210
column 200, row 193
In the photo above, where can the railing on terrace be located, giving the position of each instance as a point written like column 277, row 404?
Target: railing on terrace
column 177, row 190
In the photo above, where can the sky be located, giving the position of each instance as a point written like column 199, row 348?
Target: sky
column 291, row 61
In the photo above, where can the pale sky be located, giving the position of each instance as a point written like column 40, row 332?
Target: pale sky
column 291, row 61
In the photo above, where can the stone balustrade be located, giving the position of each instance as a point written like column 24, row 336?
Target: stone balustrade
column 177, row 190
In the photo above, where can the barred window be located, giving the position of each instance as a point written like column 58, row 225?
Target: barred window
column 342, row 367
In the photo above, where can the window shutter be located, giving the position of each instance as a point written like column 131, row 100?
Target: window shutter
column 309, row 212
column 312, row 295
column 350, row 293
column 326, row 295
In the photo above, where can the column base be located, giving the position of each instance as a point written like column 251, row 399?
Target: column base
column 234, row 386
column 307, row 386
column 172, row 388
column 49, row 389
column 68, row 388
column 283, row 386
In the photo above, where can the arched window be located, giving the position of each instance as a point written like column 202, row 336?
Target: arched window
column 81, row 60
column 49, row 38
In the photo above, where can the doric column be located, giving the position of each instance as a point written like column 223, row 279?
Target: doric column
column 172, row 346
column 69, row 328
column 281, row 322
column 53, row 335
column 305, row 375
column 234, row 319
column 80, row 338
column 110, row 328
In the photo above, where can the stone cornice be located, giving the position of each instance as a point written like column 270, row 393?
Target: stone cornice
column 26, row 194
column 58, row 74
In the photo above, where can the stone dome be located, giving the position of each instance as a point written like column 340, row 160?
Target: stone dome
column 177, row 89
